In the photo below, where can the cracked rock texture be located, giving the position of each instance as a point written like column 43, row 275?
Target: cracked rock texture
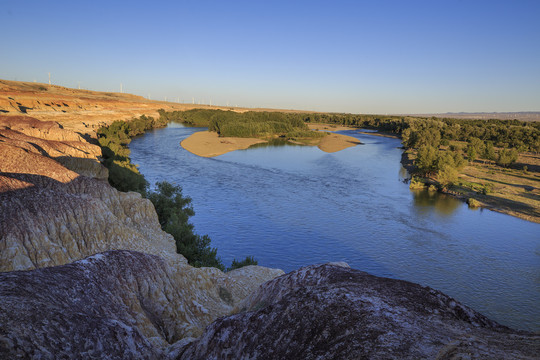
column 117, row 304
column 334, row 312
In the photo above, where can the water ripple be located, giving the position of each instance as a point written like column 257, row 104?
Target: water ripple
column 291, row 206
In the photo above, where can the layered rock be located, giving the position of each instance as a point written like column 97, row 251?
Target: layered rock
column 28, row 145
column 57, row 211
column 118, row 304
column 334, row 312
column 51, row 215
column 81, row 110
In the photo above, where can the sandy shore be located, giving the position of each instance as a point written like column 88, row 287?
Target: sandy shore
column 209, row 144
column 329, row 127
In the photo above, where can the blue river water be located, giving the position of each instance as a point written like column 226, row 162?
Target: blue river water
column 291, row 206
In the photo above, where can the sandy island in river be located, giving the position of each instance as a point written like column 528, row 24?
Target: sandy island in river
column 209, row 144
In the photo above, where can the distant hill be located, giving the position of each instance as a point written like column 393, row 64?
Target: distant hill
column 79, row 110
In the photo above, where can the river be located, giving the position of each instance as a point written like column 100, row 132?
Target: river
column 291, row 206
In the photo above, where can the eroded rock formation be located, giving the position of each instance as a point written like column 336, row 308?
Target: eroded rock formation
column 80, row 110
column 117, row 304
column 334, row 312
column 51, row 215
column 138, row 298
column 56, row 207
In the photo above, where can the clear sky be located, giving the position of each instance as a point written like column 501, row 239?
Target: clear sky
column 343, row 56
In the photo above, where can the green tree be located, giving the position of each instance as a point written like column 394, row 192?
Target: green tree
column 426, row 159
column 471, row 153
column 447, row 175
column 459, row 161
column 507, row 157
column 174, row 211
column 477, row 144
column 249, row 260
column 535, row 145
column 489, row 152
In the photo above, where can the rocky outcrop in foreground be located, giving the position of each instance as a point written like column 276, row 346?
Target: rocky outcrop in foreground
column 129, row 305
column 334, row 312
column 118, row 304
column 56, row 207
column 102, row 280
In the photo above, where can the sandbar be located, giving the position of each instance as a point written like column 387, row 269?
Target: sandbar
column 337, row 142
column 209, row 144
column 329, row 127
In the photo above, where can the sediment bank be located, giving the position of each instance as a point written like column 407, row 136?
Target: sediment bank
column 210, row 144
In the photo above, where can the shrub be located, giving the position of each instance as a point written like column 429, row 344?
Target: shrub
column 249, row 260
column 487, row 188
column 416, row 184
column 473, row 203
column 174, row 211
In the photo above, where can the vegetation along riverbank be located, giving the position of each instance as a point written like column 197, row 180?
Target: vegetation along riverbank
column 487, row 163
column 173, row 208
column 230, row 130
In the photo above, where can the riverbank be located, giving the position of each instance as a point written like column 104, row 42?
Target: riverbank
column 329, row 127
column 296, row 182
column 381, row 134
column 508, row 191
column 210, row 144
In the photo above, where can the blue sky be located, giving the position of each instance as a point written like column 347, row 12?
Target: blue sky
column 341, row 56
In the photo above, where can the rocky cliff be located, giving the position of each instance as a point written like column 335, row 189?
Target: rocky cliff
column 334, row 312
column 86, row 272
column 56, row 207
column 117, row 304
column 52, row 215
column 79, row 110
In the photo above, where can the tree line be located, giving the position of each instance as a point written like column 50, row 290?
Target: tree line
column 258, row 124
column 520, row 135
